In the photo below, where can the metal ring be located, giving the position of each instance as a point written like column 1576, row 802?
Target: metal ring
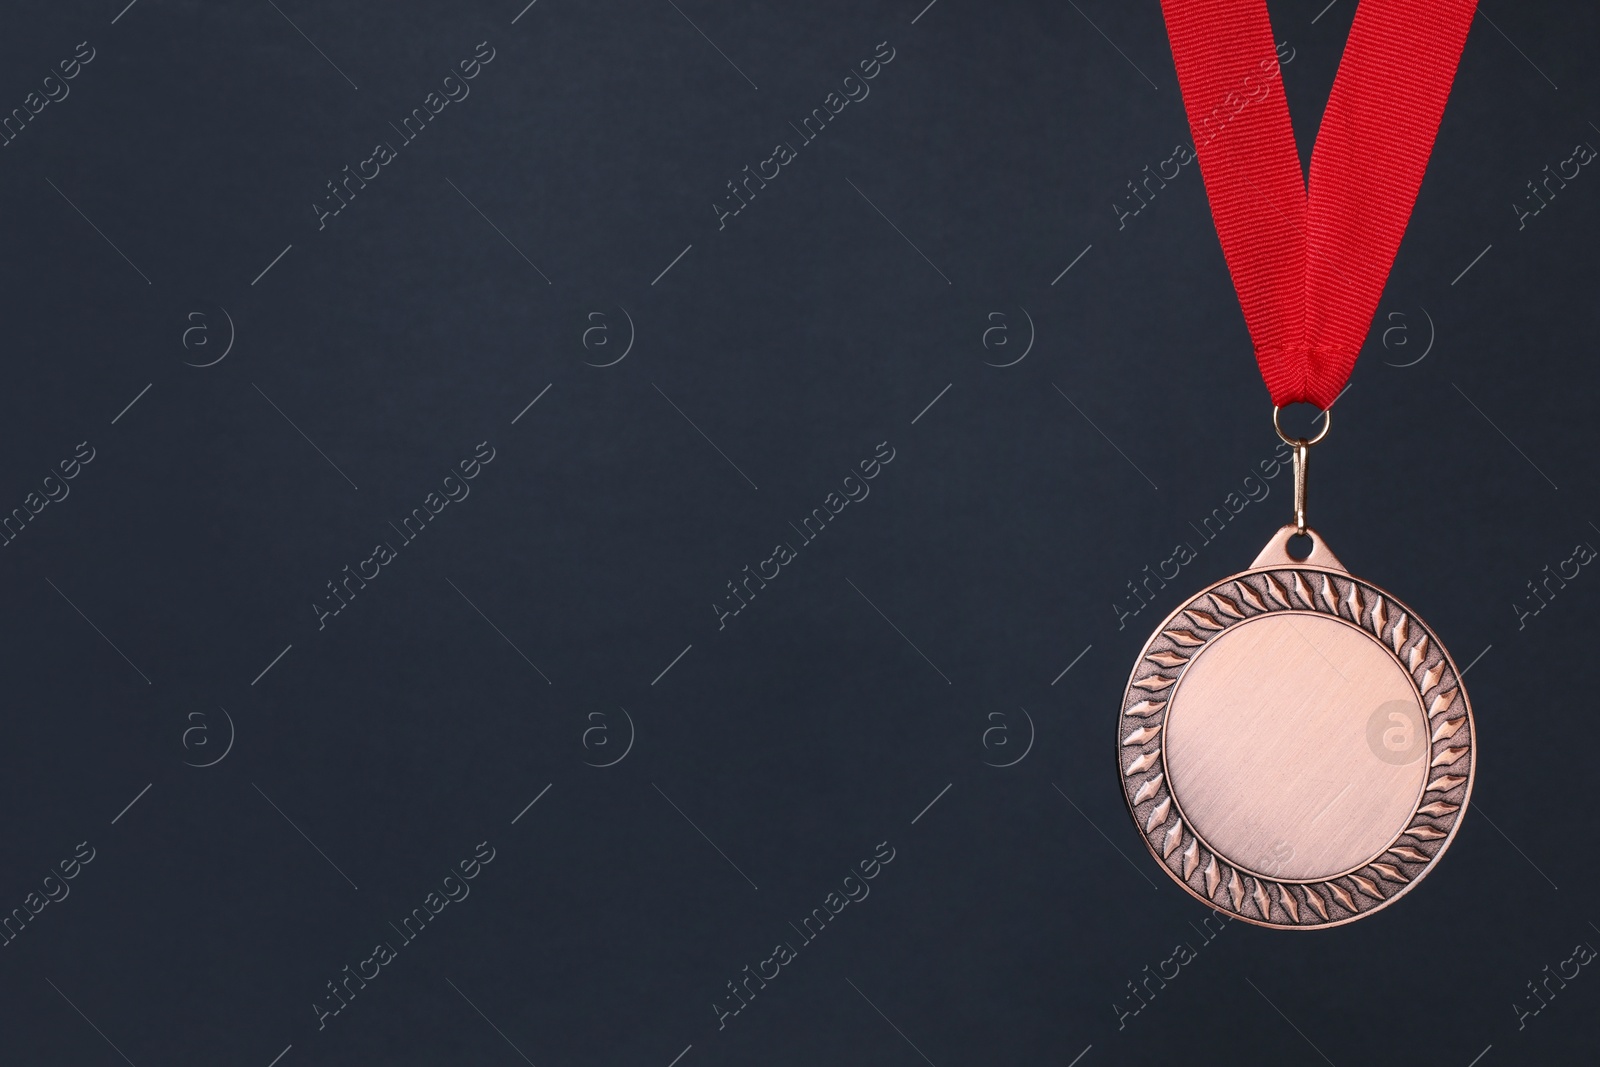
column 1327, row 421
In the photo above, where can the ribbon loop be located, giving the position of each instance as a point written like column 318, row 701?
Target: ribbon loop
column 1309, row 260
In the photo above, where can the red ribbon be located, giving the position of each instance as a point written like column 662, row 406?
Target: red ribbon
column 1309, row 266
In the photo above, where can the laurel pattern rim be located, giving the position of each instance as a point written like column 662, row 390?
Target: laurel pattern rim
column 1240, row 891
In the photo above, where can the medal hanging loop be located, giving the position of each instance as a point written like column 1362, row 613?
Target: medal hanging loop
column 1302, row 456
column 1302, row 453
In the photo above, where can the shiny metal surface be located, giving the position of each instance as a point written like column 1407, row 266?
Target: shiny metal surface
column 1267, row 748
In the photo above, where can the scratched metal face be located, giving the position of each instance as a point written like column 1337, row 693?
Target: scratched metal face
column 1267, row 744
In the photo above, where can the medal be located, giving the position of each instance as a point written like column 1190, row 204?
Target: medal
column 1295, row 744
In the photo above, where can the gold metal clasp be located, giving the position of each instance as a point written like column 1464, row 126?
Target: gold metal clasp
column 1302, row 457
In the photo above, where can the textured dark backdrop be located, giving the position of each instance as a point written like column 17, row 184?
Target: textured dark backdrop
column 162, row 611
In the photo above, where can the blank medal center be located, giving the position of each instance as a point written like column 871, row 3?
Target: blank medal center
column 1268, row 746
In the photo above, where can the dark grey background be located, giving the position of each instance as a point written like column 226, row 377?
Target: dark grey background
column 865, row 682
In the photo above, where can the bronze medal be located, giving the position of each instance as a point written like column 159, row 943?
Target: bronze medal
column 1295, row 744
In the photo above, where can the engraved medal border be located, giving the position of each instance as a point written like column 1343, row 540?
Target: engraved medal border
column 1276, row 583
